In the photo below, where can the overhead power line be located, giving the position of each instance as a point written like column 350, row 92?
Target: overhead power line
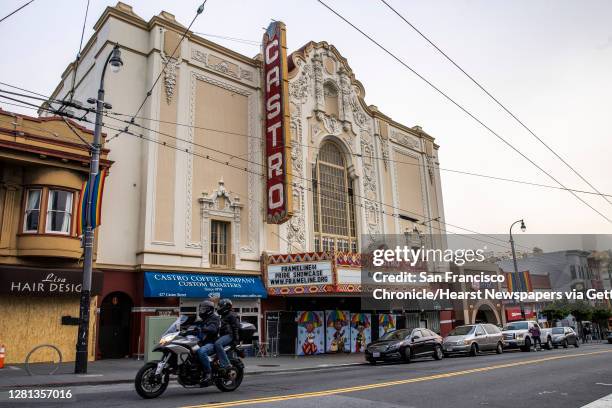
column 358, row 155
column 150, row 91
column 306, row 188
column 461, row 107
column 16, row 10
column 496, row 100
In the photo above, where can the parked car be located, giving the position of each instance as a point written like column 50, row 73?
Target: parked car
column 562, row 336
column 405, row 345
column 516, row 335
column 473, row 339
column 609, row 336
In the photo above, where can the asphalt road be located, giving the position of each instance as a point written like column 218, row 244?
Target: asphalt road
column 558, row 378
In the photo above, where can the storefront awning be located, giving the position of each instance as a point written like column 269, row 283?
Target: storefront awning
column 199, row 285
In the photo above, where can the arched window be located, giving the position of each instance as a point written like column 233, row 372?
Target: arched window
column 333, row 202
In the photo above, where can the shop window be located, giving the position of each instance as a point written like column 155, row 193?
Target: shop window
column 31, row 217
column 59, row 212
column 219, row 254
column 333, row 202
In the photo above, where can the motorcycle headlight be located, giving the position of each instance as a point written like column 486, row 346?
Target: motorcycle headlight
column 168, row 338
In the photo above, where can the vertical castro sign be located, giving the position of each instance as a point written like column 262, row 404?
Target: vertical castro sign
column 277, row 125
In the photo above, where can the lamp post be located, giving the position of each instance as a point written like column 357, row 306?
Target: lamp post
column 523, row 228
column 80, row 366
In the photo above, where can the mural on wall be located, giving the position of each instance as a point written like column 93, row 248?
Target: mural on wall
column 310, row 333
column 386, row 323
column 337, row 332
column 361, row 331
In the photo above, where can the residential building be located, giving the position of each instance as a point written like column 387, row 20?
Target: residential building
column 43, row 164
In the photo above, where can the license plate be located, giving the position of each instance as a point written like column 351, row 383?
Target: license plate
column 376, row 354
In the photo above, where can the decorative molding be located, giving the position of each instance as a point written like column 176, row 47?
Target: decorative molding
column 405, row 140
column 170, row 67
column 222, row 65
column 300, row 87
column 254, row 216
column 210, row 206
column 296, row 228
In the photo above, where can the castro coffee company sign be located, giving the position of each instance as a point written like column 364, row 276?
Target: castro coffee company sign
column 276, row 102
column 45, row 282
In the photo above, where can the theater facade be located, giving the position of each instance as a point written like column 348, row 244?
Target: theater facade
column 187, row 212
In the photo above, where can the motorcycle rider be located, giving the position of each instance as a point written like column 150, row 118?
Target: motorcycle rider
column 228, row 333
column 208, row 327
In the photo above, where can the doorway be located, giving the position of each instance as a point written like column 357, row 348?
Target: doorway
column 115, row 316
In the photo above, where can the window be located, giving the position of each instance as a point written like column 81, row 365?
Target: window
column 219, row 254
column 573, row 271
column 59, row 212
column 31, row 217
column 333, row 202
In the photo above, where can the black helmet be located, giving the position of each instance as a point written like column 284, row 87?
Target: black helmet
column 224, row 307
column 205, row 309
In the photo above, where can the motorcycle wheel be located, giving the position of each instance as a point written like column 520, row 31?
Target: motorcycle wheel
column 235, row 377
column 147, row 386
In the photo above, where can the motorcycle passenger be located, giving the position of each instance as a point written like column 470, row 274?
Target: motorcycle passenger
column 208, row 328
column 228, row 332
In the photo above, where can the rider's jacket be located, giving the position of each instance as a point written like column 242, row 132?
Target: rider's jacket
column 208, row 328
column 230, row 325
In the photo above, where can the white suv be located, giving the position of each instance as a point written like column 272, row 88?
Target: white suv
column 516, row 335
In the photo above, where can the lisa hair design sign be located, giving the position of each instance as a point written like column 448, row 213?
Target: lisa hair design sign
column 277, row 125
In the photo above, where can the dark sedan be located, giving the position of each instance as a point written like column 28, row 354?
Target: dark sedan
column 404, row 345
column 564, row 336
column 609, row 337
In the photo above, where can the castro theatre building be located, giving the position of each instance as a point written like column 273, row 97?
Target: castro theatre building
column 357, row 173
column 186, row 212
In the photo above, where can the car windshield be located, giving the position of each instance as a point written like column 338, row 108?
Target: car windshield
column 517, row 326
column 395, row 335
column 557, row 330
column 461, row 330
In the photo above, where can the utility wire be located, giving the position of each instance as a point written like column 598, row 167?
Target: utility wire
column 111, row 115
column 78, row 56
column 15, row 11
column 458, row 105
column 238, row 40
column 148, row 94
column 497, row 101
column 306, row 188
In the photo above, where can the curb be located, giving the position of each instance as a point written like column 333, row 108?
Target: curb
column 131, row 380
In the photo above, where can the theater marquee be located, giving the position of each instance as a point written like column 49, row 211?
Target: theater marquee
column 277, row 125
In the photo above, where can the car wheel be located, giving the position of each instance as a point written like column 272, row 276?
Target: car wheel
column 565, row 345
column 438, row 354
column 407, row 355
column 500, row 348
column 549, row 344
column 527, row 347
column 474, row 350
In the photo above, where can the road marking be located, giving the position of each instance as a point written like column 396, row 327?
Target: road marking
column 364, row 387
column 603, row 384
column 604, row 402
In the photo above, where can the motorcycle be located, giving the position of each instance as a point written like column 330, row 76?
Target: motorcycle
column 179, row 347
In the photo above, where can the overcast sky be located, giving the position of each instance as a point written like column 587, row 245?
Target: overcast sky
column 549, row 61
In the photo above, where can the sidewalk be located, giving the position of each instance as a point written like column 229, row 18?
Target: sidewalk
column 124, row 370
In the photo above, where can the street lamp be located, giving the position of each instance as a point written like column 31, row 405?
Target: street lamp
column 523, row 228
column 80, row 366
